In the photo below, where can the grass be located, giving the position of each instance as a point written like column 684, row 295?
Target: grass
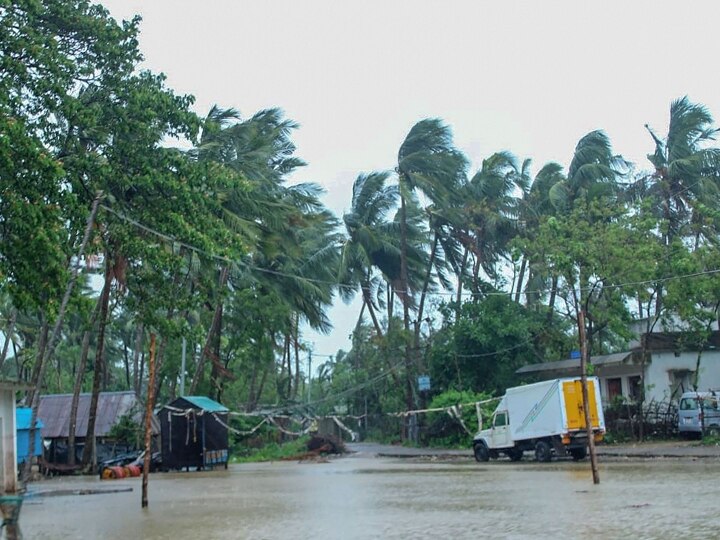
column 270, row 452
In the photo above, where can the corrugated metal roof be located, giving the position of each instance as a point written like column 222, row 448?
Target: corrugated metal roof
column 55, row 413
column 574, row 363
column 23, row 415
column 205, row 403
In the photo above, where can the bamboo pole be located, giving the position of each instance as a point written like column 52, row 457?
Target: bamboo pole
column 148, row 421
column 585, row 397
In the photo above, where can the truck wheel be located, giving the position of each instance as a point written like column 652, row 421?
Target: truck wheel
column 481, row 452
column 543, row 451
column 515, row 454
column 578, row 453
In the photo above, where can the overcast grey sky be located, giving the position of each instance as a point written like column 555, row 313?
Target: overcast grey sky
column 530, row 77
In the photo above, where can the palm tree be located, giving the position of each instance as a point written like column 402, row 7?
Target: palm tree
column 428, row 163
column 490, row 213
column 536, row 206
column 287, row 234
column 370, row 242
column 686, row 172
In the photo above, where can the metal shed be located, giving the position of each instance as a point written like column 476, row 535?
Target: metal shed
column 23, row 415
column 194, row 433
column 55, row 413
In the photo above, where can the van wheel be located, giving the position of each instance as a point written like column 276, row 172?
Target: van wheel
column 713, row 431
column 578, row 453
column 543, row 451
column 481, row 452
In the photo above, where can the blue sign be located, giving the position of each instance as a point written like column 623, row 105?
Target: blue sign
column 574, row 354
column 423, row 383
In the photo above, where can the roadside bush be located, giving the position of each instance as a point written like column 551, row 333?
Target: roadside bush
column 447, row 431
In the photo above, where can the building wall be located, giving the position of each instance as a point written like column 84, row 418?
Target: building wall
column 662, row 372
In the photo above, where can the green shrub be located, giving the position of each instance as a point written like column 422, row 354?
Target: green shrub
column 446, row 431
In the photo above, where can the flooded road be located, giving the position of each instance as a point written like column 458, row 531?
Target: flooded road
column 361, row 497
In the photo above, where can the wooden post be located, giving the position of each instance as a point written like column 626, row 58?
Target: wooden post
column 148, row 421
column 585, row 398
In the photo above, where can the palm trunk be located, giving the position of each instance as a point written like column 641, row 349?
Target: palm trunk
column 296, row 346
column 521, row 278
column 463, row 266
column 367, row 301
column 403, row 265
column 214, row 326
column 77, row 389
column 426, row 284
column 89, row 450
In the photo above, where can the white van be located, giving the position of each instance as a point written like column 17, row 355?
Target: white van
column 699, row 414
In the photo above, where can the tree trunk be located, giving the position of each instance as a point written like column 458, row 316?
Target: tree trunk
column 296, row 347
column 137, row 377
column 213, row 326
column 9, row 329
column 403, row 265
column 367, row 302
column 251, row 402
column 553, row 296
column 149, row 405
column 463, row 266
column 521, row 278
column 55, row 337
column 89, row 449
column 423, row 294
column 79, row 377
column 39, row 355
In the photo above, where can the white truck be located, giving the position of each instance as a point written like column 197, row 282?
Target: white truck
column 545, row 417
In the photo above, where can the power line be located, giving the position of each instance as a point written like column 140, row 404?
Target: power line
column 337, row 284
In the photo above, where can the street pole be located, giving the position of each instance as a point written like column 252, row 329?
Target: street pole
column 585, row 398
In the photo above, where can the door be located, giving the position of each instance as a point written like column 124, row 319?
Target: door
column 572, row 391
column 501, row 430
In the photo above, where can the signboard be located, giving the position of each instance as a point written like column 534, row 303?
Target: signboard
column 423, row 383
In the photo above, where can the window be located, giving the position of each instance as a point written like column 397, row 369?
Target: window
column 688, row 404
column 500, row 419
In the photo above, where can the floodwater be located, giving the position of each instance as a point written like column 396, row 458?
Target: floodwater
column 363, row 497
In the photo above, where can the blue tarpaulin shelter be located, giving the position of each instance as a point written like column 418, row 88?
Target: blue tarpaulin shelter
column 23, row 416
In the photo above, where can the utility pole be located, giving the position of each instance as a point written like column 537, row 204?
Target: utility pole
column 585, row 398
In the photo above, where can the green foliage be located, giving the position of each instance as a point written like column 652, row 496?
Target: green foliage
column 485, row 344
column 446, row 431
column 270, row 451
column 127, row 430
